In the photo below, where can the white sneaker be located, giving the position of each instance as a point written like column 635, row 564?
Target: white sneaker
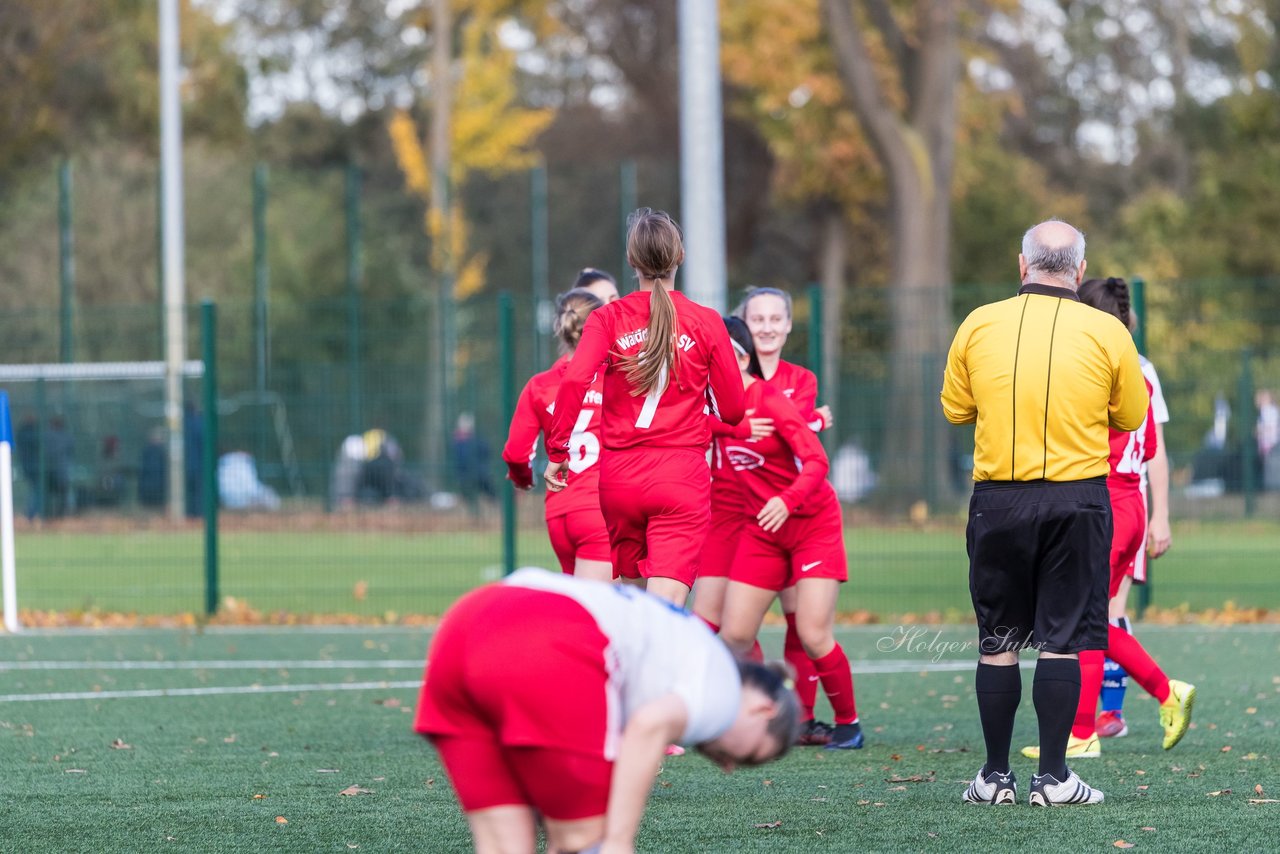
column 1046, row 791
column 995, row 789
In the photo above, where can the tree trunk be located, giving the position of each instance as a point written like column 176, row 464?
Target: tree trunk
column 833, row 260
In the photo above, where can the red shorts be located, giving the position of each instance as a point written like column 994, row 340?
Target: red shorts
column 518, row 700
column 805, row 547
column 578, row 534
column 657, row 504
column 722, row 542
column 1128, row 537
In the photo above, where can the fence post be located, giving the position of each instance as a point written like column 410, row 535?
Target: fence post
column 1244, row 430
column 506, row 346
column 355, row 263
column 539, row 265
column 209, row 348
column 627, row 194
column 66, row 264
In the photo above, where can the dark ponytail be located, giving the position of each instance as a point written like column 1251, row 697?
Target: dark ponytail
column 740, row 337
column 1109, row 295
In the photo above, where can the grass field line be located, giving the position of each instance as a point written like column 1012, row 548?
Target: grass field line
column 144, row 693
column 231, row 664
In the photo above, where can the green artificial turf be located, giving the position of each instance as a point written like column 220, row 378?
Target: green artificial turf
column 893, row 570
column 188, row 779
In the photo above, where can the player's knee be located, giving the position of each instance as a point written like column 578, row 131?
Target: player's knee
column 817, row 640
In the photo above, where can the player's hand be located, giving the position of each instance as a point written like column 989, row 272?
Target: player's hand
column 1159, row 538
column 555, row 475
column 773, row 514
column 521, row 476
column 828, row 420
column 761, row 428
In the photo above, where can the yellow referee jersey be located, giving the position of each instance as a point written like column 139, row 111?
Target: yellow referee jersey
column 1044, row 376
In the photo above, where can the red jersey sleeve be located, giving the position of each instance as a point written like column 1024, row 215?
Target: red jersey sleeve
column 804, row 445
column 720, row 430
column 588, row 358
column 522, row 438
column 725, row 382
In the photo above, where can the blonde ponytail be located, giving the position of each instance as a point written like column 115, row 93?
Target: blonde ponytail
column 655, row 248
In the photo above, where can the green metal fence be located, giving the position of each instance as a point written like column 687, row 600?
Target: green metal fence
column 325, row 318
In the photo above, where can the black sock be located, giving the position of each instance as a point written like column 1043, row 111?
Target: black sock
column 999, row 689
column 1055, row 692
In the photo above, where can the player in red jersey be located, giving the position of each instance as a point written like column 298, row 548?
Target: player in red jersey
column 767, row 312
column 666, row 361
column 551, row 698
column 793, row 535
column 599, row 283
column 1129, row 539
column 574, row 523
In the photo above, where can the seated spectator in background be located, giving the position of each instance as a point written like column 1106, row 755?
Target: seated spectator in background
column 239, row 487
column 153, row 470
column 370, row 469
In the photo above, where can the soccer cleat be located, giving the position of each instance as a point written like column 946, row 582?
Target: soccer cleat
column 815, row 734
column 995, row 789
column 846, row 737
column 1077, row 748
column 1112, row 725
column 1175, row 712
column 674, row 750
column 1046, row 791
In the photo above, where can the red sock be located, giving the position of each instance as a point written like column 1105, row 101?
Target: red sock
column 837, row 682
column 1091, row 661
column 715, row 630
column 756, row 654
column 1125, row 651
column 806, row 674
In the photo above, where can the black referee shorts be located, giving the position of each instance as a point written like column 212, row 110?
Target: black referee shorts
column 1038, row 564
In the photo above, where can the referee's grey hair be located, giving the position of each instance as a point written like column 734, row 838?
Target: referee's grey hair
column 1056, row 260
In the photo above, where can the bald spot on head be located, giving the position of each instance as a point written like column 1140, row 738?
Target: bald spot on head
column 1052, row 253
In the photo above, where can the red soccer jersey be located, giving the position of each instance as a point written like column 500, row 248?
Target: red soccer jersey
column 800, row 386
column 1129, row 451
column 706, row 372
column 790, row 463
column 533, row 416
column 726, row 491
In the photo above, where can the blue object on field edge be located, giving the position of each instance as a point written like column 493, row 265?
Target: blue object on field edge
column 6, row 425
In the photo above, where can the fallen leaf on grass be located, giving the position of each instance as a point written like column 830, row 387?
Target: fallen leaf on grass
column 1120, row 843
column 767, row 782
column 1147, row 828
column 1219, row 792
column 878, row 804
column 431, row 781
column 231, row 739
column 119, row 744
column 258, row 797
column 1143, row 788
column 914, row 778
column 768, row 825
column 352, row 791
column 1226, row 749
column 1264, row 800
column 1257, row 790
column 897, row 788
column 75, row 771
column 389, row 702
column 863, row 803
column 326, row 770
column 281, row 820
column 1140, row 772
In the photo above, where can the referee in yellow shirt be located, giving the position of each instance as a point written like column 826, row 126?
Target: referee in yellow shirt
column 1043, row 376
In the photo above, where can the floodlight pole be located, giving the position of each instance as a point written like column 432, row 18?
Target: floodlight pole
column 172, row 237
column 702, row 153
